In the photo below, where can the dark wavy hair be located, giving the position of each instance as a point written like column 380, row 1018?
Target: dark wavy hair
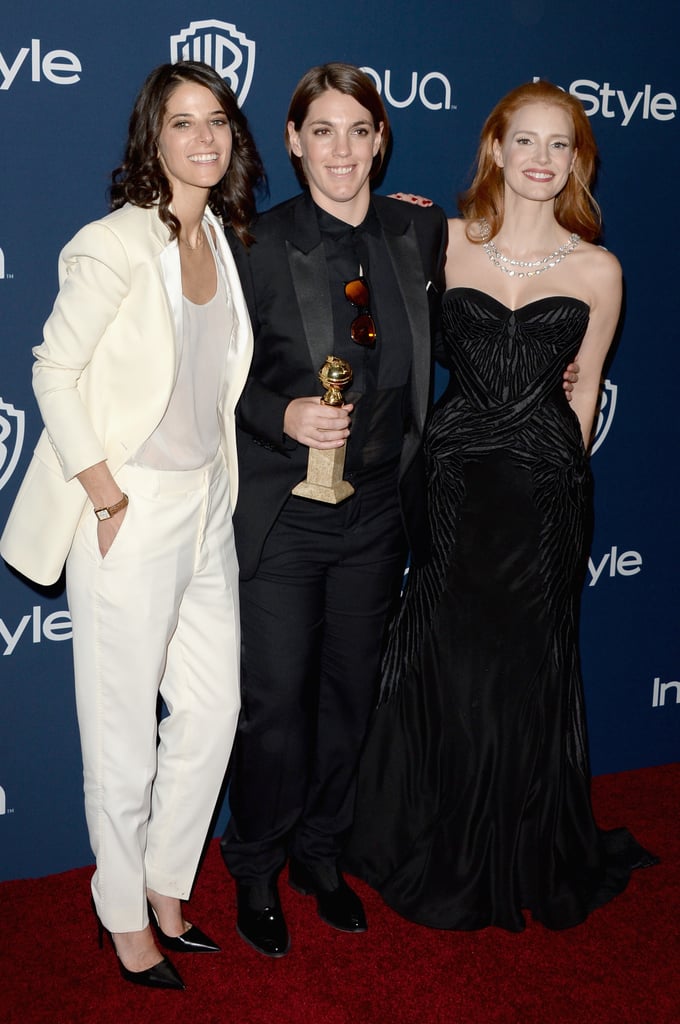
column 575, row 207
column 140, row 179
column 351, row 81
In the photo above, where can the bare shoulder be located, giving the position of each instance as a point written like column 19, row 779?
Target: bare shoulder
column 458, row 228
column 599, row 264
column 460, row 251
column 458, row 233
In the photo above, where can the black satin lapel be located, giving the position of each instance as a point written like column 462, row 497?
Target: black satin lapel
column 310, row 280
column 405, row 254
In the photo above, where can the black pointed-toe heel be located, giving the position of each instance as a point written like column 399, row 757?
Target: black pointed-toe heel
column 161, row 975
column 193, row 940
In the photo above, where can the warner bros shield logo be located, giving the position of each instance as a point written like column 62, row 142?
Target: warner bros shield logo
column 606, row 414
column 221, row 45
column 11, row 439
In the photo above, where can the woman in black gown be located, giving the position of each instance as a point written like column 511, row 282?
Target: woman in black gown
column 474, row 791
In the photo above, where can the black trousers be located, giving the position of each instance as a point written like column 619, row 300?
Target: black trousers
column 313, row 621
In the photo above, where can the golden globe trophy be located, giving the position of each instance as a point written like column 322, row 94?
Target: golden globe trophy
column 325, row 468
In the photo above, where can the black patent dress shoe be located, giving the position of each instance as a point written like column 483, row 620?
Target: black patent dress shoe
column 337, row 904
column 260, row 921
column 193, row 940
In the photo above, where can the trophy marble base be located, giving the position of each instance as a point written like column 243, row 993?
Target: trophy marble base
column 324, row 477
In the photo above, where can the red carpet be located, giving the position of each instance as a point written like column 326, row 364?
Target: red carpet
column 621, row 967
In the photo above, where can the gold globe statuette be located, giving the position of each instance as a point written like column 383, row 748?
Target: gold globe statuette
column 325, row 468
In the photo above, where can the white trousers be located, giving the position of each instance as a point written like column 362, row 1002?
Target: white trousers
column 158, row 614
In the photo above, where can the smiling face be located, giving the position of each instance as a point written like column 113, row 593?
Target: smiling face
column 336, row 144
column 194, row 145
column 537, row 153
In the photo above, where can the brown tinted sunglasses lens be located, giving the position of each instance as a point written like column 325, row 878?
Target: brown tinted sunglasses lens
column 357, row 292
column 363, row 329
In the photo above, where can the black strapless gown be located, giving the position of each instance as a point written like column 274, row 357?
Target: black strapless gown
column 473, row 796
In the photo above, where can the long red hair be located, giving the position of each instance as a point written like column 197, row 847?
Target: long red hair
column 575, row 207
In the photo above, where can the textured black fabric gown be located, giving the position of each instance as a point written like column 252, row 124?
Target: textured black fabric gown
column 474, row 790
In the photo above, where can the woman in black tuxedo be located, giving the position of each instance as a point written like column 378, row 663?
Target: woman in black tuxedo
column 318, row 580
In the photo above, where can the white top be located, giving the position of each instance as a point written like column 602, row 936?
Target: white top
column 188, row 436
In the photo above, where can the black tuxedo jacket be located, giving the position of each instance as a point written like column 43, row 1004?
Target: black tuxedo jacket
column 286, row 286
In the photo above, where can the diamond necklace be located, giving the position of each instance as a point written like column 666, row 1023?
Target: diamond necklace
column 527, row 268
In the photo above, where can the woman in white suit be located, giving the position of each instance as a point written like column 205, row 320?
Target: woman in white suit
column 133, row 484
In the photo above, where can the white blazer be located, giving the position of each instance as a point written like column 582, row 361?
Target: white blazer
column 105, row 371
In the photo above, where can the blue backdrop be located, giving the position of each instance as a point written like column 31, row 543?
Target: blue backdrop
column 69, row 73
